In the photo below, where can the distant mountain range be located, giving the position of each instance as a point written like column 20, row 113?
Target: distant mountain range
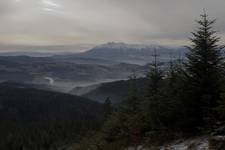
column 135, row 54
column 64, row 71
column 117, row 52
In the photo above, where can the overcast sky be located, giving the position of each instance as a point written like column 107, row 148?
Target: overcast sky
column 71, row 22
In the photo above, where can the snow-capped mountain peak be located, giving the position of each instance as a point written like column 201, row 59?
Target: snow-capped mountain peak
column 124, row 46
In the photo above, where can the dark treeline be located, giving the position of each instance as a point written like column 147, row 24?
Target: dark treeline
column 186, row 100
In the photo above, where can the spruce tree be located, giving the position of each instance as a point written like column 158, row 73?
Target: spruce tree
column 154, row 100
column 173, row 91
column 134, row 112
column 154, row 76
column 204, row 72
column 133, row 101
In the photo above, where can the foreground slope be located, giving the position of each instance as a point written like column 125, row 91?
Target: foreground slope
column 33, row 118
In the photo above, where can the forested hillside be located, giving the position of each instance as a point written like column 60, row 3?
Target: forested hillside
column 43, row 120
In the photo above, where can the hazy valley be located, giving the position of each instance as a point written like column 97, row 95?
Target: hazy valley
column 63, row 72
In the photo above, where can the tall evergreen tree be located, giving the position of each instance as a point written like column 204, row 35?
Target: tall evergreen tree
column 204, row 71
column 154, row 76
column 134, row 111
column 154, row 100
column 133, row 101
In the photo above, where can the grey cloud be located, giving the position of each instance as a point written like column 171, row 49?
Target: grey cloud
column 4, row 7
column 96, row 21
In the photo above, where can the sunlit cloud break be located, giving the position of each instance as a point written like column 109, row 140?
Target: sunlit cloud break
column 50, row 3
column 52, row 7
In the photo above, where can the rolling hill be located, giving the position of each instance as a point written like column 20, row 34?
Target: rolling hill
column 116, row 91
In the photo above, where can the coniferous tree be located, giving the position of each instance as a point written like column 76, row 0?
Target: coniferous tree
column 133, row 101
column 173, row 91
column 204, row 72
column 155, row 76
column 154, row 100
column 133, row 109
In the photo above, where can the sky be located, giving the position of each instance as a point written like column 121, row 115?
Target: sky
column 82, row 22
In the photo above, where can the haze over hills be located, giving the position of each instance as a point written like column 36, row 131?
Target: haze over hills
column 64, row 71
column 63, row 74
column 133, row 53
column 51, row 49
column 120, row 52
column 116, row 91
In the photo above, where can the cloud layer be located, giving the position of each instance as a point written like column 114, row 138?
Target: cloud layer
column 62, row 22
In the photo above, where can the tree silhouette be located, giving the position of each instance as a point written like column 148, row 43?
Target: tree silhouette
column 204, row 70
